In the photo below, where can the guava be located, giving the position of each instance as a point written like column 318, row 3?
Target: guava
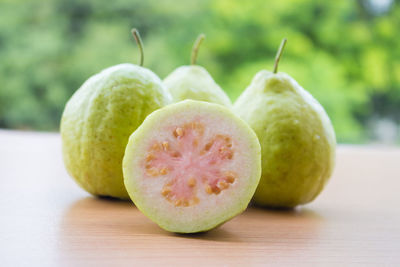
column 296, row 136
column 194, row 82
column 98, row 120
column 191, row 166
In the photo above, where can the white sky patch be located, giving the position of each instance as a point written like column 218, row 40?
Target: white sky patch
column 379, row 6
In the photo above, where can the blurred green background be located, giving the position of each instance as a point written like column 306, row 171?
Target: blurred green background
column 345, row 52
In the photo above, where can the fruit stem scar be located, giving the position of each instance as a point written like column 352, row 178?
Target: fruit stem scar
column 195, row 48
column 139, row 42
column 279, row 54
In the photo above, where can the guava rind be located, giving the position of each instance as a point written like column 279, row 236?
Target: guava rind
column 132, row 175
column 98, row 120
column 194, row 82
column 296, row 136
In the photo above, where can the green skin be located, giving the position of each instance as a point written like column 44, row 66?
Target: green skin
column 296, row 136
column 98, row 120
column 194, row 82
column 175, row 219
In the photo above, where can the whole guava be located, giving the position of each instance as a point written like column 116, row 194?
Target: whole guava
column 98, row 120
column 296, row 136
column 195, row 82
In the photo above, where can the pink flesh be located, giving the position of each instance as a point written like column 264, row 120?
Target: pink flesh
column 187, row 158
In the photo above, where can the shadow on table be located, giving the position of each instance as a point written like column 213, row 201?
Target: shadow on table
column 219, row 234
column 113, row 220
column 121, row 218
column 108, row 215
column 298, row 212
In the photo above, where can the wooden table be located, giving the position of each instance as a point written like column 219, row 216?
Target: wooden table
column 47, row 220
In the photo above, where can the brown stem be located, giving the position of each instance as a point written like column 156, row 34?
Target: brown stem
column 139, row 42
column 195, row 48
column 279, row 54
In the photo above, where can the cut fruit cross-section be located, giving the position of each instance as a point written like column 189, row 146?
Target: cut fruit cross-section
column 191, row 166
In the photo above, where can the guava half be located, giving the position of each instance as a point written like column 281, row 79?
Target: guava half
column 191, row 166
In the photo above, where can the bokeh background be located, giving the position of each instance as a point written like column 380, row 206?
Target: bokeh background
column 345, row 52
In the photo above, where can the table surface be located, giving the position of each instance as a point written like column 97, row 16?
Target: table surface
column 47, row 220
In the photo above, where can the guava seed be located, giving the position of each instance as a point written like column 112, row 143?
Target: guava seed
column 192, row 182
column 222, row 185
column 178, row 132
column 208, row 189
column 164, row 171
column 165, row 145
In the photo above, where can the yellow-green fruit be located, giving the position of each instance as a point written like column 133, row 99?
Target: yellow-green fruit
column 194, row 82
column 98, row 120
column 296, row 136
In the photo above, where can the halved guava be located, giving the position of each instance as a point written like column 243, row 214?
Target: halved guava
column 191, row 166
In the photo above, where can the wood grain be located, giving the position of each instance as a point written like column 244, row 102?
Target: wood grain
column 47, row 220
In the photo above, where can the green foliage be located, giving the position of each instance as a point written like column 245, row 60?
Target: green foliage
column 343, row 52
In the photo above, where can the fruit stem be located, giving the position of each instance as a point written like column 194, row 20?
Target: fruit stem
column 279, row 54
column 139, row 42
column 195, row 48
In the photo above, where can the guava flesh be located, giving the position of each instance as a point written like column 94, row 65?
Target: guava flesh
column 198, row 166
column 190, row 163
